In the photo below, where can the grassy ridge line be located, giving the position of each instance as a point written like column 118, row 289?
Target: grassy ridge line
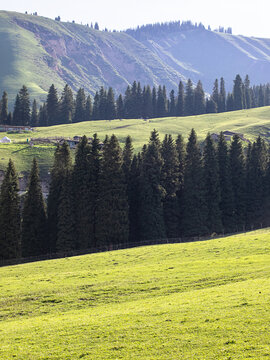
column 251, row 122
column 207, row 300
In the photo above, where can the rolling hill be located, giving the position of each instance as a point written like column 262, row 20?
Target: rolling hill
column 38, row 51
column 204, row 300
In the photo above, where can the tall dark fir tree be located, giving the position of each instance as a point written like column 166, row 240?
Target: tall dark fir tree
column 34, row 222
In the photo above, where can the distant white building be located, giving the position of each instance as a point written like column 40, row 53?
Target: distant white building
column 5, row 140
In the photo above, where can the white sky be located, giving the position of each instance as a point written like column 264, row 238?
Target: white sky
column 246, row 17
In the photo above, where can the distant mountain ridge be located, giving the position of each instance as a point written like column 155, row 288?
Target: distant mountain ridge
column 38, row 51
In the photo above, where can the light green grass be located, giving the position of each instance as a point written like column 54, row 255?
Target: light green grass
column 251, row 123
column 207, row 300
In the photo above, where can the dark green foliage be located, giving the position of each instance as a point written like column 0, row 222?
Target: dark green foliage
column 110, row 106
column 211, row 106
column 151, row 192
column 34, row 223
column 10, row 215
column 226, row 195
column 199, row 99
column 133, row 199
column 88, row 109
column 161, row 102
column 120, row 111
column 180, row 100
column 43, row 116
column 212, row 187
column 154, row 102
column 66, row 105
column 230, row 102
column 80, row 105
column 61, row 168
column 66, row 230
column 170, row 183
column 172, row 108
column 21, row 114
column 112, row 225
column 222, row 97
column 238, row 182
column 4, row 109
column 52, row 106
column 256, row 169
column 34, row 115
column 181, row 153
column 247, row 92
column 189, row 99
column 96, row 114
column 238, row 96
column 147, row 107
column 215, row 93
column 195, row 209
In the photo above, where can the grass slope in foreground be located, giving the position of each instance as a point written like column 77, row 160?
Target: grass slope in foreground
column 206, row 300
column 251, row 123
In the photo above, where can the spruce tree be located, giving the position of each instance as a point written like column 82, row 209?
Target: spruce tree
column 111, row 109
column 199, row 99
column 96, row 106
column 180, row 100
column 161, row 103
column 170, row 183
column 147, row 108
column 195, row 209
column 52, row 106
column 25, row 111
column 238, row 182
column 152, row 224
column 34, row 115
column 61, row 169
column 181, row 153
column 154, row 102
column 43, row 116
column 16, row 111
column 34, row 223
column 212, row 187
column 222, row 97
column 66, row 230
column 4, row 109
column 112, row 222
column 133, row 199
column 189, row 99
column 88, row 109
column 120, row 111
column 80, row 105
column 10, row 215
column 226, row 194
column 238, row 96
column 247, row 92
column 215, row 93
column 66, row 106
column 172, row 108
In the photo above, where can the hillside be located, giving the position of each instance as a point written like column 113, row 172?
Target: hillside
column 251, row 123
column 38, row 51
column 205, row 300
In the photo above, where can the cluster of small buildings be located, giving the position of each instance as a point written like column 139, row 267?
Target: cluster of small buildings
column 228, row 136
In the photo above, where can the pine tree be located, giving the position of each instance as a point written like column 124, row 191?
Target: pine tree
column 16, row 111
column 96, row 106
column 181, row 153
column 230, row 102
column 52, row 106
column 222, row 97
column 238, row 99
column 154, row 102
column 66, row 106
column 261, row 100
column 151, row 192
column 112, row 222
column 199, row 99
column 238, row 182
column 4, row 109
column 161, row 103
column 80, row 105
column 147, row 109
column 25, row 112
column 247, row 92
column 133, row 200
column 10, row 215
column 195, row 210
column 66, row 234
column 34, row 115
column 120, row 107
column 215, row 93
column 180, row 100
column 189, row 99
column 88, row 109
column 34, row 223
column 111, row 109
column 212, row 188
column 43, row 116
column 226, row 194
column 172, row 108
column 211, row 106
column 61, row 169
column 170, row 183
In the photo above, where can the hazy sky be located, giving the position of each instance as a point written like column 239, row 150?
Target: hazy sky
column 246, row 17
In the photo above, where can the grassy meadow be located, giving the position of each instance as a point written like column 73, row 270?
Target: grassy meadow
column 251, row 123
column 204, row 300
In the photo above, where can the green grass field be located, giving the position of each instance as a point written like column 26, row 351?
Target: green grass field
column 251, row 123
column 205, row 300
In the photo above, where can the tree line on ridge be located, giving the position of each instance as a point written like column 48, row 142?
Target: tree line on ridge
column 137, row 102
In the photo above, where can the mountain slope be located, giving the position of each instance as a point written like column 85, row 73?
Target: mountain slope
column 38, row 51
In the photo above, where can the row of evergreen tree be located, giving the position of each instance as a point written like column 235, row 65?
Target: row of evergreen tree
column 137, row 102
column 111, row 196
